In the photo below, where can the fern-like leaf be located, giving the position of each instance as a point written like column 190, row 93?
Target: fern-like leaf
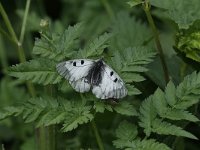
column 188, row 91
column 147, row 115
column 162, row 127
column 127, row 139
column 58, row 47
column 171, row 104
column 130, row 63
column 10, row 111
column 97, row 46
column 125, row 108
column 41, row 71
column 101, row 107
column 126, row 131
column 76, row 118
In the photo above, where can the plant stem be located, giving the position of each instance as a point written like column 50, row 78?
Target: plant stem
column 21, row 54
column 41, row 138
column 98, row 138
column 3, row 56
column 8, row 24
column 146, row 7
column 21, row 38
column 48, row 143
column 6, row 35
column 108, row 8
column 51, row 137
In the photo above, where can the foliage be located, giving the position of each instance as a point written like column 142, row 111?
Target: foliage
column 41, row 71
column 187, row 42
column 37, row 103
column 127, row 139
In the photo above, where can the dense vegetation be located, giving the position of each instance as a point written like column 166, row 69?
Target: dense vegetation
column 153, row 45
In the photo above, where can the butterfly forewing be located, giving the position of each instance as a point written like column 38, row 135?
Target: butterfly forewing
column 76, row 71
column 111, row 86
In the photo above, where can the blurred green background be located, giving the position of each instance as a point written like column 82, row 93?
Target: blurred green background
column 99, row 16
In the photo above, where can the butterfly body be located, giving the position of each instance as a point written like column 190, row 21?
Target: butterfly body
column 95, row 73
column 86, row 74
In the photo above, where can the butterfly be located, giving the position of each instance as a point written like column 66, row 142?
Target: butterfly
column 86, row 74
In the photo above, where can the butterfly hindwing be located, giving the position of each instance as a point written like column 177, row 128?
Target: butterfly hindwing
column 75, row 71
column 111, row 85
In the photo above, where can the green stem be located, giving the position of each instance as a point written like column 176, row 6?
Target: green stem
column 2, row 146
column 3, row 57
column 51, row 137
column 6, row 35
column 98, row 138
column 8, row 24
column 21, row 39
column 183, row 70
column 46, row 136
column 41, row 138
column 108, row 8
column 146, row 7
column 21, row 54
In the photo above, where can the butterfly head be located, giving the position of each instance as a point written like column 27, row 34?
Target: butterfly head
column 99, row 62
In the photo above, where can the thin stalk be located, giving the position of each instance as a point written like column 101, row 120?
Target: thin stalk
column 41, row 138
column 146, row 7
column 48, row 143
column 21, row 38
column 6, row 35
column 98, row 138
column 20, row 50
column 3, row 57
column 8, row 24
column 108, row 8
column 183, row 70
column 51, row 137
column 21, row 54
column 2, row 146
column 12, row 33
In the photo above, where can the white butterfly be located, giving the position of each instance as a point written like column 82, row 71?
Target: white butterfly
column 86, row 74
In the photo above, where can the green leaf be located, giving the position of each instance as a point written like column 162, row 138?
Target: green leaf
column 160, row 102
column 147, row 115
column 58, row 47
column 132, row 90
column 133, row 3
column 41, row 71
column 138, row 144
column 10, row 111
column 182, row 12
column 139, row 55
column 162, row 127
column 54, row 116
column 188, row 91
column 68, row 39
column 130, row 62
column 132, row 77
column 121, row 143
column 134, row 68
column 150, row 144
column 126, row 29
column 74, row 119
column 126, row 131
column 170, row 95
column 100, row 107
column 97, row 46
column 176, row 114
column 125, row 108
